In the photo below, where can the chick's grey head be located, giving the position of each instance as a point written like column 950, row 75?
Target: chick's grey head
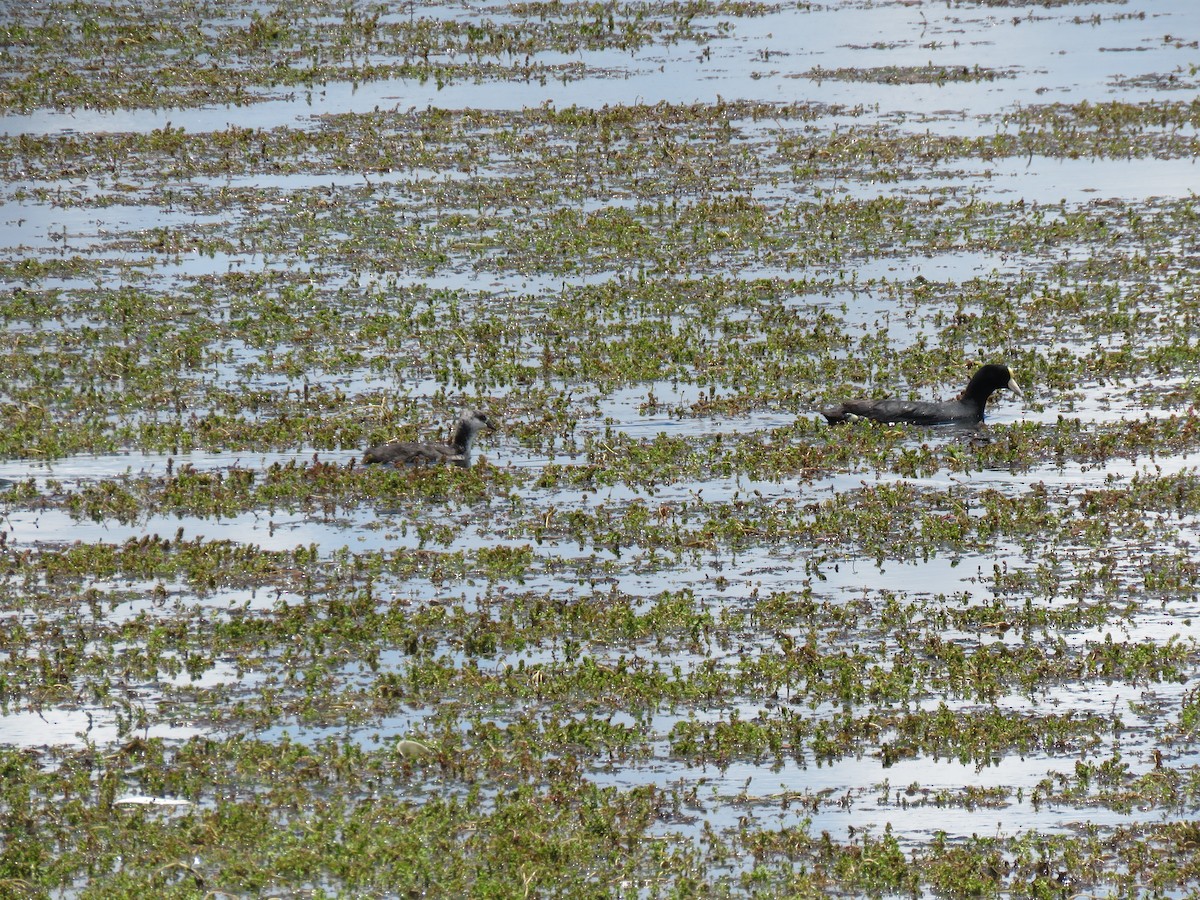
column 471, row 423
column 477, row 420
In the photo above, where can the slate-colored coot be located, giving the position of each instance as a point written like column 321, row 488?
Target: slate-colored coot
column 415, row 453
column 965, row 409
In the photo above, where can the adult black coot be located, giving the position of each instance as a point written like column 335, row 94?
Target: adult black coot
column 965, row 409
column 415, row 453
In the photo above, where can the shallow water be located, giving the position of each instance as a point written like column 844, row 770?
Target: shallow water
column 1076, row 50
column 1038, row 55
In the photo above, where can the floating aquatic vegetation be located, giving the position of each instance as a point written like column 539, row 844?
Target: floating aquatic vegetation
column 671, row 634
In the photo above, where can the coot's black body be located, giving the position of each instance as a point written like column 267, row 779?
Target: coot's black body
column 965, row 409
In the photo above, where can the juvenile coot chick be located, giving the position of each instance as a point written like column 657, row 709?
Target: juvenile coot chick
column 415, row 453
column 965, row 409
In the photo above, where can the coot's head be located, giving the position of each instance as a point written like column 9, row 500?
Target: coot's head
column 989, row 379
